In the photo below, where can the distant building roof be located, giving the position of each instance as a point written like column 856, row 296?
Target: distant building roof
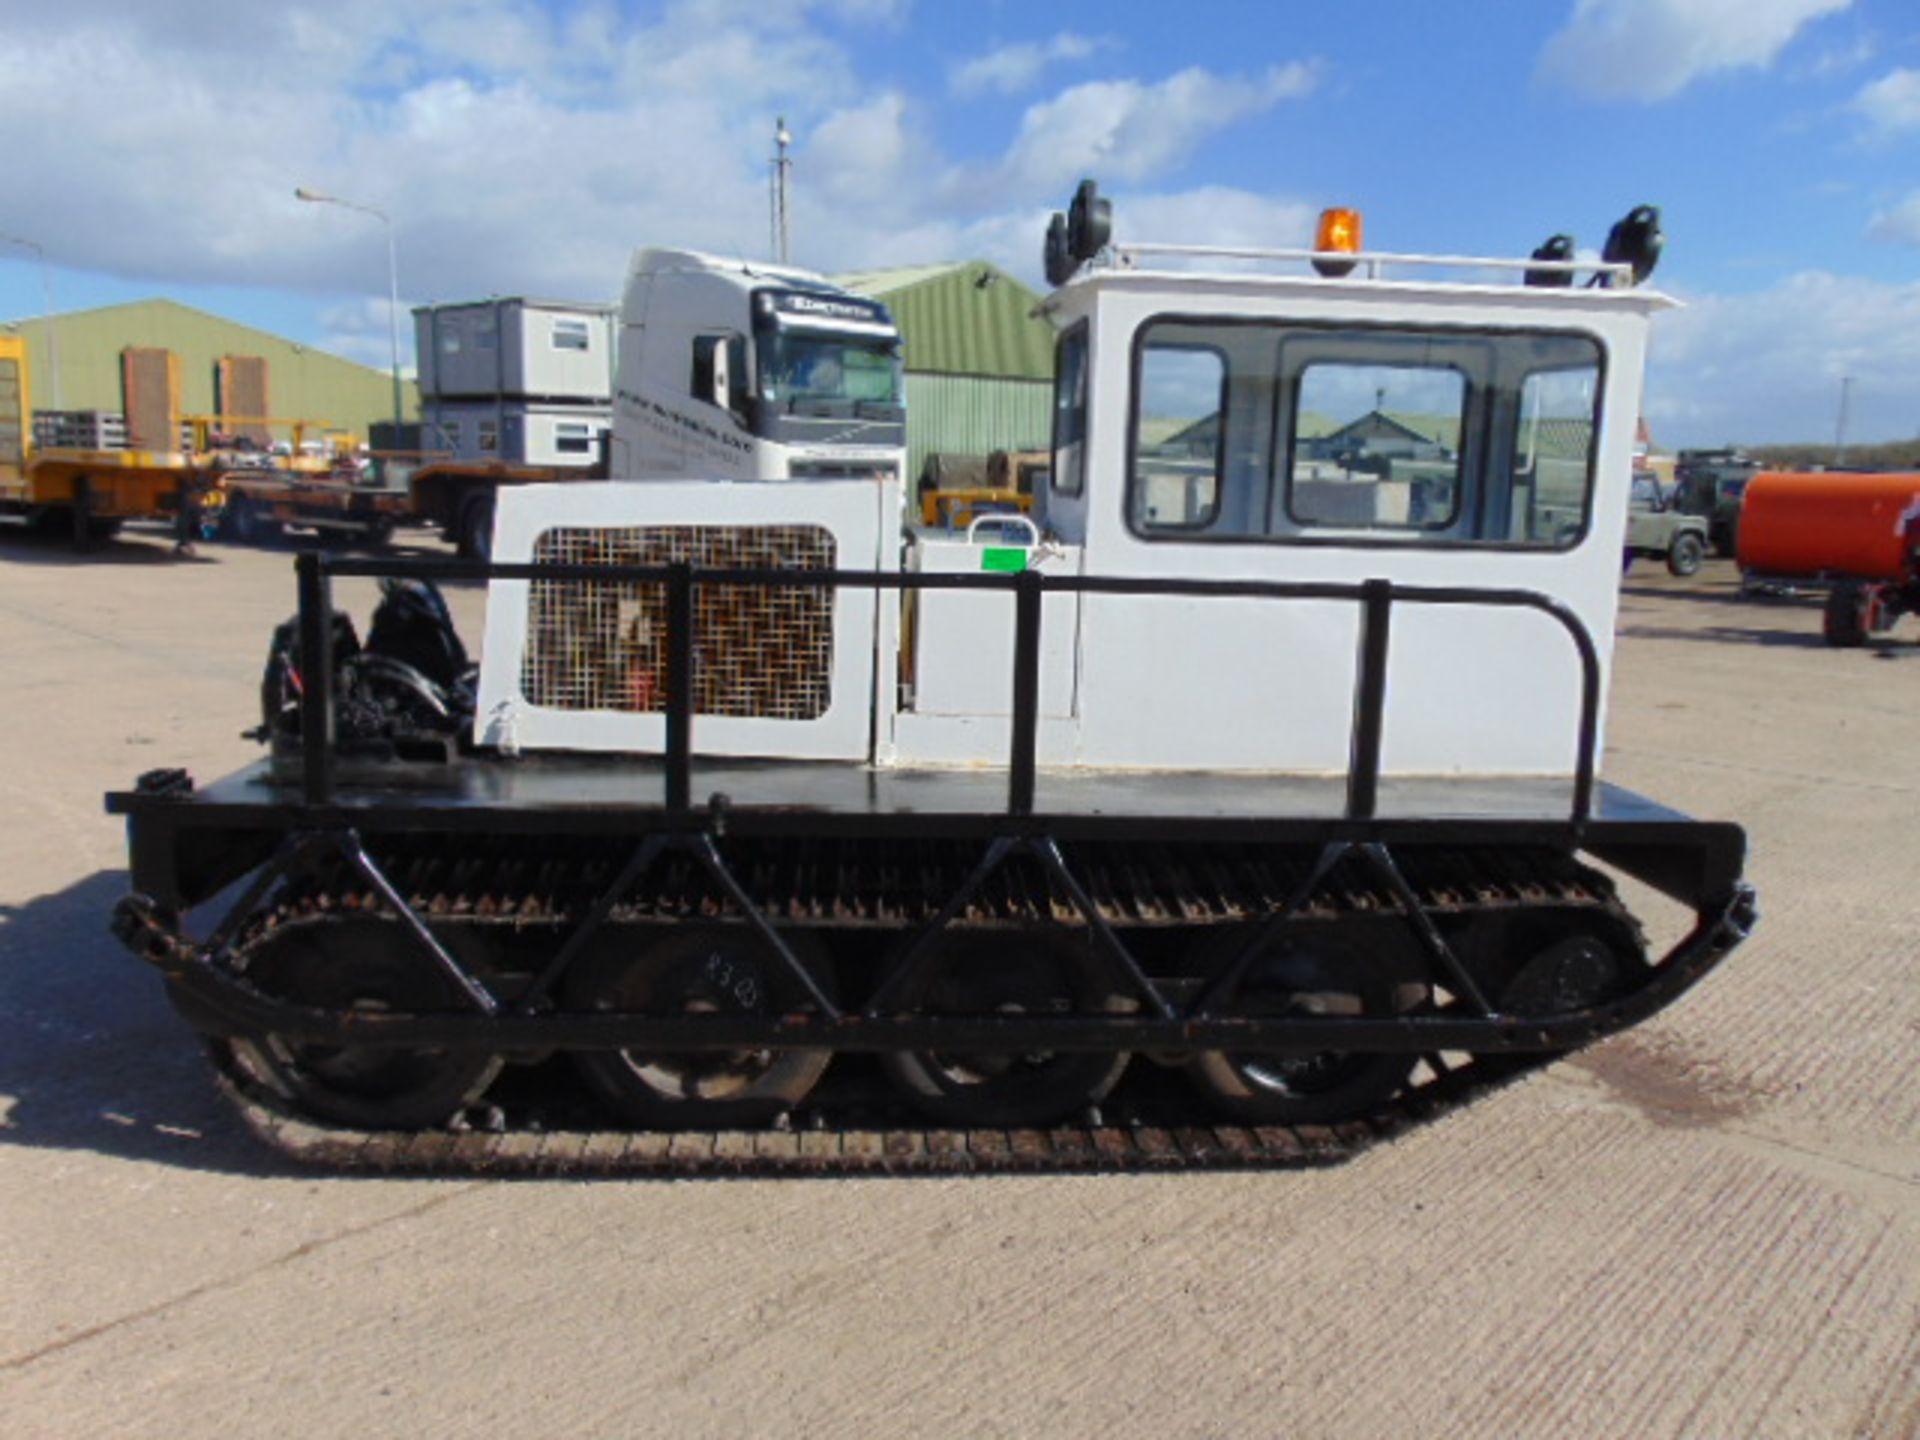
column 966, row 317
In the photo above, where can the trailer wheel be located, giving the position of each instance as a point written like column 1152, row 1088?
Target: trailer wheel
column 245, row 521
column 474, row 539
column 694, row 971
column 1303, row 979
column 995, row 974
column 372, row 965
column 1851, row 614
column 1686, row 555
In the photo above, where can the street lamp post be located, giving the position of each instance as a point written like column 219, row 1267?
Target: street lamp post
column 393, row 284
column 53, row 337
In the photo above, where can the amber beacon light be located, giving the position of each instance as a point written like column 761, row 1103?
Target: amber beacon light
column 1339, row 232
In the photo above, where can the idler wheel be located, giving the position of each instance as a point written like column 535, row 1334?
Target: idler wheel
column 1559, row 964
column 1313, row 976
column 370, row 965
column 1026, row 974
column 693, row 971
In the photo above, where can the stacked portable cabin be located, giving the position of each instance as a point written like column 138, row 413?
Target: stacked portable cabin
column 519, row 381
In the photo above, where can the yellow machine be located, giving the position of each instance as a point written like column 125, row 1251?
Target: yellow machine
column 91, row 491
column 1010, row 487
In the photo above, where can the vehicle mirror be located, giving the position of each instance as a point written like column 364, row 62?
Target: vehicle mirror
column 713, row 372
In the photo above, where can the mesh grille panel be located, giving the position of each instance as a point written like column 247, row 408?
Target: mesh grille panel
column 761, row 652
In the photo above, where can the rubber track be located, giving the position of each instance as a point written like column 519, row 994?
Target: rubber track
column 500, row 890
column 828, row 1152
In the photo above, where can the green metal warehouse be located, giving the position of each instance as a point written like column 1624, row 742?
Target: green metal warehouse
column 302, row 383
column 979, row 361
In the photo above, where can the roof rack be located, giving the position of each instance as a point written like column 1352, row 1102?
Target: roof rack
column 1370, row 262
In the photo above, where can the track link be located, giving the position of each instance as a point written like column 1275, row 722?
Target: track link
column 828, row 1152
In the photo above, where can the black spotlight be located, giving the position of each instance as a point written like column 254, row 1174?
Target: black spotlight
column 1557, row 247
column 1089, row 222
column 1636, row 241
column 1059, row 264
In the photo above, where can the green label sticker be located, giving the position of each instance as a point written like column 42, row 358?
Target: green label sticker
column 1004, row 558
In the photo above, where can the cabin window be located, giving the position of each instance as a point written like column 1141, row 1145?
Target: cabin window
column 1376, row 447
column 1179, row 430
column 1249, row 430
column 572, row 438
column 489, row 437
column 570, row 335
column 1070, row 412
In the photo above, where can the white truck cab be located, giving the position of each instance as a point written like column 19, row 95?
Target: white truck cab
column 731, row 369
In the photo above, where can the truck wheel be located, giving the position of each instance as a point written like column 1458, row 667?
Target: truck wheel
column 1849, row 614
column 1687, row 553
column 475, row 538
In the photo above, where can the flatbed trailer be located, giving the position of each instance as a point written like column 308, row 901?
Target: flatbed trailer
column 460, row 496
column 89, row 492
column 261, row 503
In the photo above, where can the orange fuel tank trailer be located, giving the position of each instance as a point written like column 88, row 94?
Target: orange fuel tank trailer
column 1864, row 526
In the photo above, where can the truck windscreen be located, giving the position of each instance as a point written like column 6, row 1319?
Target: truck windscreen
column 821, row 373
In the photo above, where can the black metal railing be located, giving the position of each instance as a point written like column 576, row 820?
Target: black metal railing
column 1376, row 599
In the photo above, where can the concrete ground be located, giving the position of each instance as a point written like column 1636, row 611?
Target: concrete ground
column 1709, row 1227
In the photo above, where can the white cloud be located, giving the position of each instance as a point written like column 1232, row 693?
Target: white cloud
column 1899, row 224
column 525, row 147
column 1653, row 49
column 1128, row 131
column 1013, row 68
column 1766, row 367
column 1892, row 103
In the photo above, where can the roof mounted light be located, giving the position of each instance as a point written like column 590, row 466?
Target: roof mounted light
column 1558, row 248
column 1078, row 235
column 1636, row 240
column 1338, row 233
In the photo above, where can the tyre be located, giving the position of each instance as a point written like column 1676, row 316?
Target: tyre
column 1686, row 555
column 1848, row 614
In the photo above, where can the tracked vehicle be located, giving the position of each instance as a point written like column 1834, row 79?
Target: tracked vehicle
column 1238, row 807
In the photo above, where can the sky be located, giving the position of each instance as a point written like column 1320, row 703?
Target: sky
column 528, row 146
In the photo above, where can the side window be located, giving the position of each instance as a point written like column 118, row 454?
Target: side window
column 1070, row 412
column 489, row 437
column 573, row 438
column 1553, row 455
column 1382, row 450
column 450, row 435
column 1179, row 428
column 570, row 335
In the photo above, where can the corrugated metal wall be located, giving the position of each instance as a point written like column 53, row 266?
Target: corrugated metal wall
column 308, row 384
column 970, row 414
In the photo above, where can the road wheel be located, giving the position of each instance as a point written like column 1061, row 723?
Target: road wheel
column 475, row 537
column 369, row 965
column 694, row 971
column 1314, row 975
column 1687, row 554
column 1026, row 974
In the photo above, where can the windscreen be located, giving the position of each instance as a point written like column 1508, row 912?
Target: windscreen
column 807, row 372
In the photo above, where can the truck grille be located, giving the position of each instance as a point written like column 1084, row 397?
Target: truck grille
column 760, row 652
